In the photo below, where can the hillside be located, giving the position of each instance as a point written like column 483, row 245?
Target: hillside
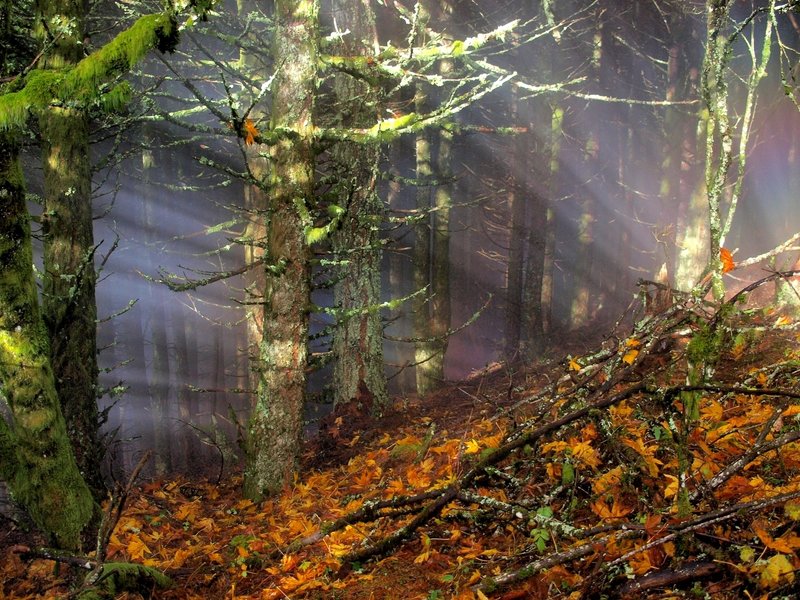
column 598, row 473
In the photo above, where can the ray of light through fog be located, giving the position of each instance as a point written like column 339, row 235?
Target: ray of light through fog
column 161, row 227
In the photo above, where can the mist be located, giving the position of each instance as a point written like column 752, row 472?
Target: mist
column 168, row 210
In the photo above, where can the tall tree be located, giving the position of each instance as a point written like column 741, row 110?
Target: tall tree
column 68, row 296
column 358, row 369
column 35, row 455
column 38, row 462
column 276, row 422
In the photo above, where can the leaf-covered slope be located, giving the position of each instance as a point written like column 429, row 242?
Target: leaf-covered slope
column 602, row 473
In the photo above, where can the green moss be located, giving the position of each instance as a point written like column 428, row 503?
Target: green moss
column 41, row 88
column 117, row 578
column 120, row 55
column 81, row 84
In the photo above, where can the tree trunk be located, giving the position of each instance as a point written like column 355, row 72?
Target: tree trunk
column 36, row 459
column 423, row 348
column 256, row 205
column 275, row 427
column 69, row 282
column 440, row 255
column 358, row 370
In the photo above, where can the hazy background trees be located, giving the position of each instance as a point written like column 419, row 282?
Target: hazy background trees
column 547, row 168
column 568, row 184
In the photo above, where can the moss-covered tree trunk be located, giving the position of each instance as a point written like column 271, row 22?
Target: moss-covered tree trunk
column 37, row 461
column 275, row 427
column 358, row 371
column 69, row 274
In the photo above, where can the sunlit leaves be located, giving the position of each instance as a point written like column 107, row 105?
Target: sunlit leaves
column 631, row 350
column 614, row 472
column 775, row 571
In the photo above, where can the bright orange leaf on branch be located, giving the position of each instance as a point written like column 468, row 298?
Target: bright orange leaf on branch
column 251, row 132
column 726, row 257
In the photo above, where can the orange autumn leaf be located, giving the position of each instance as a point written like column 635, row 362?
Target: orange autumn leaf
column 364, row 478
column 630, row 356
column 617, row 510
column 640, row 563
column 785, row 544
column 726, row 258
column 396, row 487
column 251, row 133
column 607, row 481
column 137, row 548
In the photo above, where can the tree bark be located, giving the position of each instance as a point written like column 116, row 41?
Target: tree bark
column 275, row 426
column 68, row 296
column 358, row 370
column 37, row 460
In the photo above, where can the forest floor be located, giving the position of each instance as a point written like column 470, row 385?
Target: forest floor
column 596, row 474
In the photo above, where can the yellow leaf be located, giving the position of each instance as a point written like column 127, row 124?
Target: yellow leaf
column 776, row 570
column 640, row 563
column 711, row 411
column 137, row 548
column 783, row 321
column 792, row 510
column 672, row 487
column 179, row 558
column 473, row 447
column 586, row 454
column 630, row 356
column 554, row 446
column 422, row 557
column 554, row 471
column 574, row 365
column 632, row 343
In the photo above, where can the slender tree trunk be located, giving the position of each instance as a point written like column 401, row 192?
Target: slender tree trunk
column 256, row 205
column 158, row 380
column 440, row 271
column 423, row 348
column 183, row 448
column 36, row 459
column 517, row 201
column 276, row 423
column 358, row 370
column 69, row 283
column 535, row 302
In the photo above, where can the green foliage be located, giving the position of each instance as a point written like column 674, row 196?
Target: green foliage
column 117, row 578
column 121, row 54
column 83, row 84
